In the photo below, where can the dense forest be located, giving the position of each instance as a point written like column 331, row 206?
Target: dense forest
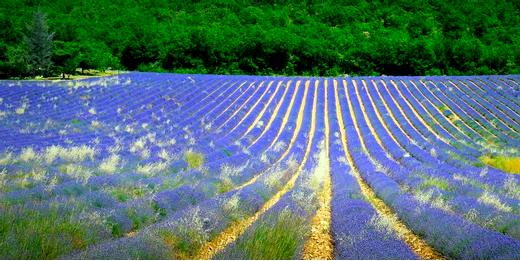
column 303, row 37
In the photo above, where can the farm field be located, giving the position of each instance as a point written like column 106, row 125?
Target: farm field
column 174, row 166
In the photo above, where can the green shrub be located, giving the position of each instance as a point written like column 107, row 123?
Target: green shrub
column 194, row 159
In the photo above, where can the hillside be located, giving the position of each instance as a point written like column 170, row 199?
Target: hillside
column 426, row 37
column 172, row 166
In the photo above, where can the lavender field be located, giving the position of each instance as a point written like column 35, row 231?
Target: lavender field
column 171, row 166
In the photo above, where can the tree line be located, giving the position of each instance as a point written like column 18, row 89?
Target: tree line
column 261, row 37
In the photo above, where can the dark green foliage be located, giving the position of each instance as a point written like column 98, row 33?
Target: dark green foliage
column 270, row 37
column 162, row 212
column 116, row 228
column 227, row 152
column 67, row 56
column 38, row 42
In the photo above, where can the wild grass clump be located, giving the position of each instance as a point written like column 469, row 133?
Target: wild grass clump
column 27, row 155
column 151, row 169
column 194, row 159
column 428, row 196
column 3, row 180
column 435, row 182
column 95, row 124
column 6, row 158
column 187, row 237
column 72, row 154
column 52, row 153
column 138, row 145
column 278, row 236
column 493, row 200
column 110, row 164
column 225, row 185
column 507, row 164
column 233, row 209
column 77, row 172
column 164, row 155
column 124, row 194
column 140, row 217
column 21, row 110
column 29, row 234
column 386, row 225
column 228, row 175
column 274, row 181
column 512, row 188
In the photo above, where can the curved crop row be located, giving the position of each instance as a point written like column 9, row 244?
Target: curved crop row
column 159, row 166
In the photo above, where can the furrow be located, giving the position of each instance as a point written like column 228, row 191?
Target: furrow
column 275, row 112
column 231, row 233
column 419, row 246
column 320, row 244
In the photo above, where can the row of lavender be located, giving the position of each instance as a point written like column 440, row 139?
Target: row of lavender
column 139, row 182
column 176, row 197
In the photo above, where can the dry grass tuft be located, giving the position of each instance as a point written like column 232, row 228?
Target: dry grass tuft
column 507, row 164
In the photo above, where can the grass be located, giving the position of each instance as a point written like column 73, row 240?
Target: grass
column 472, row 182
column 492, row 200
column 164, row 155
column 6, row 158
column 458, row 157
column 438, row 201
column 76, row 171
column 20, row 110
column 28, row 154
column 233, row 209
column 138, row 218
column 161, row 212
column 151, row 169
column 115, row 228
column 74, row 190
column 170, row 240
column 279, row 236
column 109, row 165
column 51, row 154
column 194, row 159
column 227, row 152
column 512, row 188
column 189, row 235
column 71, row 154
column 182, row 246
column 453, row 118
column 507, row 164
column 225, row 185
column 443, row 108
column 435, row 182
column 123, row 194
column 171, row 182
column 28, row 234
column 95, row 124
column 138, row 145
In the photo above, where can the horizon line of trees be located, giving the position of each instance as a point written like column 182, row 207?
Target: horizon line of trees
column 267, row 37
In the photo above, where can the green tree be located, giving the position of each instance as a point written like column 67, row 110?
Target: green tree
column 39, row 45
column 356, row 37
column 17, row 64
column 66, row 57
